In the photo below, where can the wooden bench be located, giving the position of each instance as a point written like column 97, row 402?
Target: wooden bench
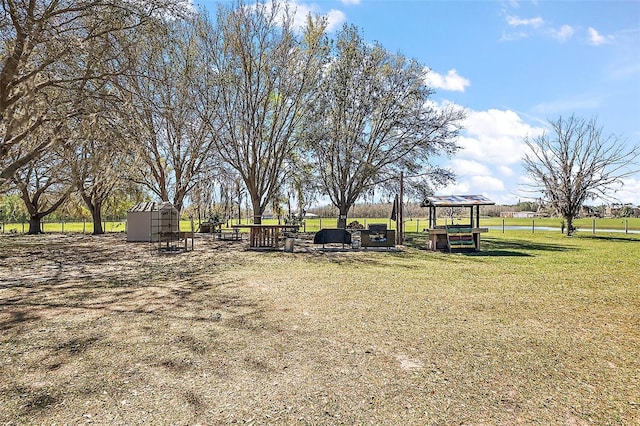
column 460, row 237
column 211, row 227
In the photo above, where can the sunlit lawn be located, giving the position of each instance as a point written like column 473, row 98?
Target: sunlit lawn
column 536, row 328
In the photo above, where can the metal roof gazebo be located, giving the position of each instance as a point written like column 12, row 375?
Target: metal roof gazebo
column 470, row 201
column 462, row 235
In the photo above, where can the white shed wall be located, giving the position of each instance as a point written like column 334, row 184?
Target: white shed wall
column 139, row 226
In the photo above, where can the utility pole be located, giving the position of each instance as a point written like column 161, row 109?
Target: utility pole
column 400, row 211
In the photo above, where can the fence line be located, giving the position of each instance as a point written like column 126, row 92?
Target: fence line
column 416, row 225
column 64, row 226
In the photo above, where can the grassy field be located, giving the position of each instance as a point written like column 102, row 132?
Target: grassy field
column 315, row 224
column 535, row 329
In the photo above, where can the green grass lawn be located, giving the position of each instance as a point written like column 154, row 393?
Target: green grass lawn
column 583, row 224
column 71, row 227
column 534, row 329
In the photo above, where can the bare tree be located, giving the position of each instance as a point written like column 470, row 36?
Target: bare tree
column 374, row 119
column 574, row 162
column 94, row 151
column 44, row 185
column 48, row 53
column 170, row 120
column 97, row 171
column 266, row 75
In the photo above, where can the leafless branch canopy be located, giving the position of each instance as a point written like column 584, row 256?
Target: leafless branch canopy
column 50, row 50
column 575, row 162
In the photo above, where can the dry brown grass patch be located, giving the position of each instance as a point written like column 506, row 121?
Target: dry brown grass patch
column 98, row 330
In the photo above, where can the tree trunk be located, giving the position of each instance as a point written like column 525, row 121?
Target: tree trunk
column 178, row 200
column 34, row 225
column 570, row 227
column 342, row 217
column 96, row 215
column 257, row 209
column 94, row 204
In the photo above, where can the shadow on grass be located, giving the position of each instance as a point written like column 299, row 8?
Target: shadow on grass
column 523, row 248
column 157, row 291
column 16, row 317
column 612, row 238
column 144, row 299
column 37, row 399
column 498, row 247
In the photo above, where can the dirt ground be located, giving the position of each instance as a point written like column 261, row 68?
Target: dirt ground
column 98, row 330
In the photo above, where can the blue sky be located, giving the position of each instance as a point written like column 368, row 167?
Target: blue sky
column 512, row 65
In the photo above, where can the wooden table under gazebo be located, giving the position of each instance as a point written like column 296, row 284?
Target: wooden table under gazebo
column 265, row 236
column 462, row 235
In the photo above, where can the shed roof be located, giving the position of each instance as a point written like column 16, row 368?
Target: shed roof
column 151, row 206
column 456, row 201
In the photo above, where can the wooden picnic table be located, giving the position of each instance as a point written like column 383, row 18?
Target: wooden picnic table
column 438, row 237
column 265, row 236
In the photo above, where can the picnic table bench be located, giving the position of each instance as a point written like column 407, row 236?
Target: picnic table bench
column 451, row 237
column 234, row 235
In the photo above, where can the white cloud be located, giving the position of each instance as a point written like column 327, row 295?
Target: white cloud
column 629, row 191
column 596, row 39
column 452, row 81
column 513, row 36
column 350, row 2
column 335, row 18
column 505, row 171
column 535, row 27
column 564, row 33
column 469, row 168
column 456, row 188
column 489, row 186
column 487, row 183
column 495, row 137
column 490, row 159
column 515, row 21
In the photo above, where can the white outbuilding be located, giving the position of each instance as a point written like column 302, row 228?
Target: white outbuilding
column 146, row 220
